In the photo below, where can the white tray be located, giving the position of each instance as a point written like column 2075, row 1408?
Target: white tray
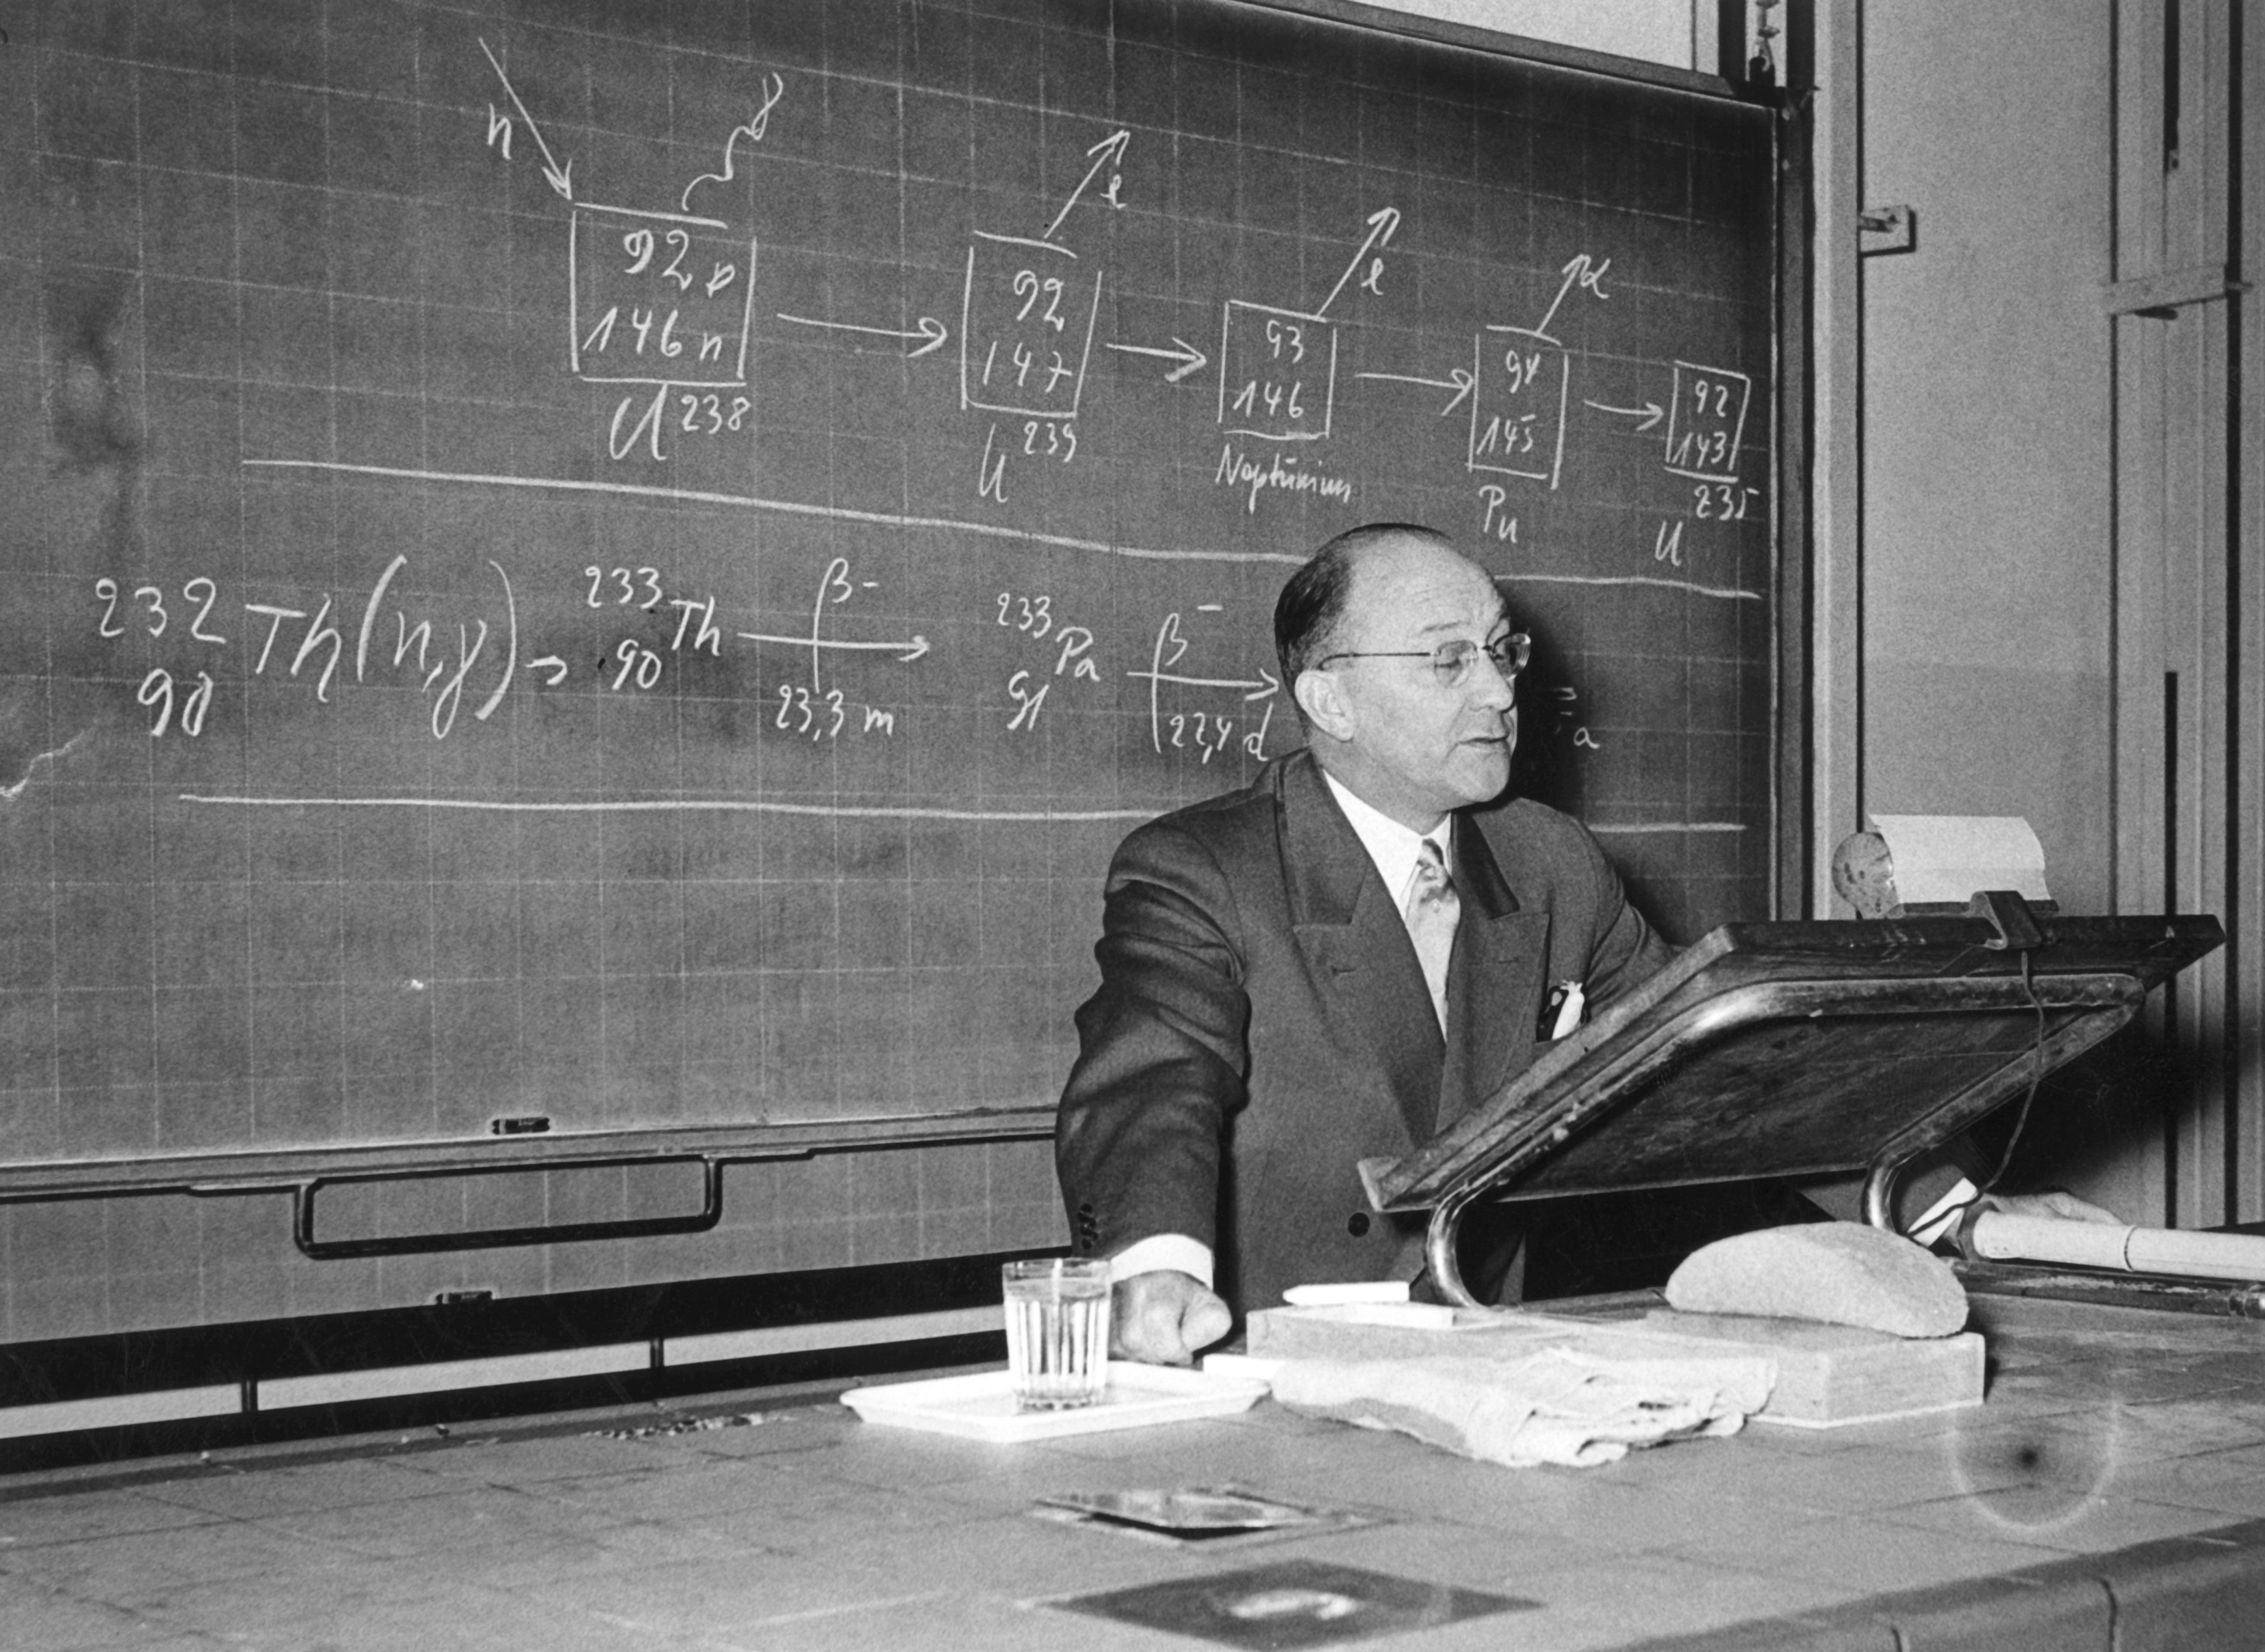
column 981, row 1407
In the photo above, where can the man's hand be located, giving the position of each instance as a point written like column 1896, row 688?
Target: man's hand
column 1164, row 1317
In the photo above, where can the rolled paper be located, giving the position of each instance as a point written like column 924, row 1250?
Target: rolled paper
column 2002, row 1237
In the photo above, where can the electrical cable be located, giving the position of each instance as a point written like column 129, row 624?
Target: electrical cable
column 2036, row 1074
column 2020, row 1118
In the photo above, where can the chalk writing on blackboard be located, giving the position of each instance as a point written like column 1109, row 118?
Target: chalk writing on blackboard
column 1206, row 733
column 297, row 643
column 773, row 88
column 834, row 588
column 1109, row 153
column 665, row 299
column 561, row 178
column 661, row 302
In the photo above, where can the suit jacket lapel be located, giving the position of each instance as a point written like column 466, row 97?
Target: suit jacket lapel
column 1347, row 924
column 1495, row 977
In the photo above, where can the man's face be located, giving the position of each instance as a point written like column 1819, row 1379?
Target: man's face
column 1405, row 742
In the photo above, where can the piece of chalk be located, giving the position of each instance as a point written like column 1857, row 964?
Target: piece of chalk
column 1321, row 1296
column 1423, row 1316
column 1248, row 1367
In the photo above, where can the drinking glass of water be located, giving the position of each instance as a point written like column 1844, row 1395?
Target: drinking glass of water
column 1057, row 1331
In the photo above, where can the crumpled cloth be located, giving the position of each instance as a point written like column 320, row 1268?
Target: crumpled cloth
column 1556, row 1406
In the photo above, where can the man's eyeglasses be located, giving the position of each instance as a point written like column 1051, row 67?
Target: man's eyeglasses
column 1452, row 662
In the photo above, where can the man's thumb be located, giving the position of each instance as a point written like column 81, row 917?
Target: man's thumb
column 1204, row 1321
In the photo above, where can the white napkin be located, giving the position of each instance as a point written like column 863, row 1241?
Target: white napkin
column 1557, row 1406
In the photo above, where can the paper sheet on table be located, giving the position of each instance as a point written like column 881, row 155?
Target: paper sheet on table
column 1947, row 857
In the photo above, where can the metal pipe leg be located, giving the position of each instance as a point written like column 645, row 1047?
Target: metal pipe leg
column 1439, row 1248
column 1880, row 1194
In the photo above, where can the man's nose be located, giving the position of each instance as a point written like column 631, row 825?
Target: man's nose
column 1490, row 687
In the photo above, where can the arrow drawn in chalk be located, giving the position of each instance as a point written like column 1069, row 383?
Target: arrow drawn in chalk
column 1651, row 412
column 1186, row 354
column 904, row 650
column 1108, row 152
column 1584, row 270
column 561, row 178
column 927, row 327
column 1257, row 687
column 1382, row 224
column 1460, row 381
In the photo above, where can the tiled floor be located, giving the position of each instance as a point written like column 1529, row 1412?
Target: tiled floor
column 810, row 1530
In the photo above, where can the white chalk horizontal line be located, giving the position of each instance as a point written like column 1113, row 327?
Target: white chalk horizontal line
column 675, row 805
column 788, row 507
column 801, row 1339
column 640, row 212
column 742, row 806
column 1728, row 592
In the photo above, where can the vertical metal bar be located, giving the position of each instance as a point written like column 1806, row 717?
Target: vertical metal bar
column 2245, row 442
column 1836, row 479
column 2174, row 34
column 2184, row 616
column 2196, row 196
column 2144, row 697
column 1791, row 842
column 2223, row 636
column 2175, row 1115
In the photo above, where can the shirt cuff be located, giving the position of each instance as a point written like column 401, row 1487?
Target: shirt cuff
column 1175, row 1251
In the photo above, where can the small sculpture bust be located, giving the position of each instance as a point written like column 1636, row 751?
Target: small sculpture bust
column 1864, row 876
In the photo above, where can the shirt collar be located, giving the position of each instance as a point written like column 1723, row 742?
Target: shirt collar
column 1392, row 847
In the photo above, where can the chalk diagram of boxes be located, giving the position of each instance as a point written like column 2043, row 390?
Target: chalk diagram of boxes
column 658, row 298
column 1520, row 384
column 1277, row 372
column 1019, row 327
column 1706, row 421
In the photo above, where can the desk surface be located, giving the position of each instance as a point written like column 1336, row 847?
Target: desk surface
column 2118, row 1465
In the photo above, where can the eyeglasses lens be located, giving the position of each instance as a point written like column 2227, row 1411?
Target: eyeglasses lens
column 1452, row 661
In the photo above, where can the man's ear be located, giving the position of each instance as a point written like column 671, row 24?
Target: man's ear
column 1322, row 698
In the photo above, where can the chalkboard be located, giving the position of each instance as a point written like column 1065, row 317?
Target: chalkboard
column 590, row 570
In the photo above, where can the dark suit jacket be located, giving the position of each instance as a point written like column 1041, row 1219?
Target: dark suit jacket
column 1262, row 1024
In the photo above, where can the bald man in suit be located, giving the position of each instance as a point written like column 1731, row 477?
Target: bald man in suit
column 1292, row 981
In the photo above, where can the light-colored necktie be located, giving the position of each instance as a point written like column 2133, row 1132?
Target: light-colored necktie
column 1432, row 909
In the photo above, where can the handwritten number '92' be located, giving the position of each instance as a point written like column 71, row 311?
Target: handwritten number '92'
column 640, row 246
column 1030, row 288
